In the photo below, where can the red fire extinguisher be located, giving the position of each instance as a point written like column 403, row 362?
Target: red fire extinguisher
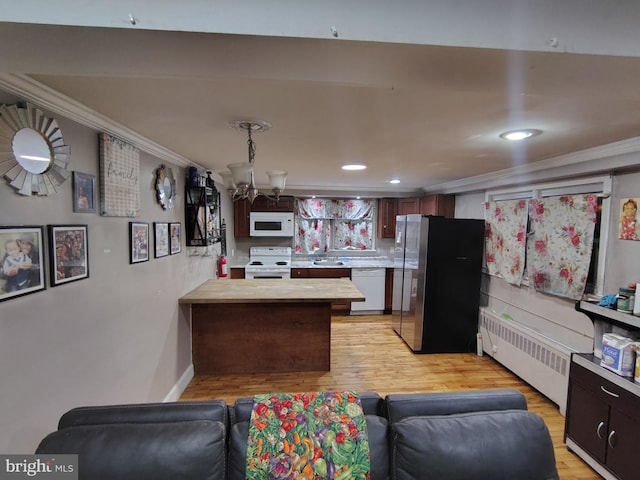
column 223, row 271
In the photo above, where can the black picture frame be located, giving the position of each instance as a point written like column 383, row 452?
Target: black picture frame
column 138, row 242
column 28, row 240
column 68, row 253
column 84, row 193
column 175, row 237
column 160, row 239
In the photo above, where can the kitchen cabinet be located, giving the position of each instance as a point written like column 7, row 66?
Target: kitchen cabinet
column 236, row 272
column 441, row 205
column 408, row 205
column 388, row 290
column 336, row 307
column 242, row 209
column 387, row 210
column 602, row 424
column 202, row 216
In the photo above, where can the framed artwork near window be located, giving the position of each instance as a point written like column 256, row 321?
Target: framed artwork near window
column 84, row 197
column 175, row 237
column 138, row 242
column 68, row 253
column 161, row 239
column 21, row 261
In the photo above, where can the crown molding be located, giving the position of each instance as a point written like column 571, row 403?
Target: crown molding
column 603, row 158
column 35, row 92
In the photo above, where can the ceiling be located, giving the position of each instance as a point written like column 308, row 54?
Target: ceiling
column 428, row 115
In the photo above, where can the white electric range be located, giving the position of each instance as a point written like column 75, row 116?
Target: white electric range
column 268, row 262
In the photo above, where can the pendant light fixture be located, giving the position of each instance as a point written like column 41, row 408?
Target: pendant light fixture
column 239, row 180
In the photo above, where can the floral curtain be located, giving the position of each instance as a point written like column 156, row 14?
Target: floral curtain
column 330, row 224
column 559, row 250
column 505, row 238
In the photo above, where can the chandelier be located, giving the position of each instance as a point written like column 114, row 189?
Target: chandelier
column 239, row 180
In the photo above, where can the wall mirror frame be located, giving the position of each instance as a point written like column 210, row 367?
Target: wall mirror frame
column 33, row 156
column 165, row 187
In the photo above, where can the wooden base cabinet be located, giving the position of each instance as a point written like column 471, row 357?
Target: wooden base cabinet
column 602, row 424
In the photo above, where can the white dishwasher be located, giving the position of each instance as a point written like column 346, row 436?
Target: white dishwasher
column 370, row 281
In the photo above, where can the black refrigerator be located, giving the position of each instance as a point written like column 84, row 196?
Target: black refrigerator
column 436, row 282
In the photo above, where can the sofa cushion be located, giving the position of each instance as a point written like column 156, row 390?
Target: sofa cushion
column 510, row 444
column 399, row 406
column 214, row 410
column 193, row 450
column 377, row 432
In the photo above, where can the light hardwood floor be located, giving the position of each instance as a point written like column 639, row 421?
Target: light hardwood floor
column 367, row 355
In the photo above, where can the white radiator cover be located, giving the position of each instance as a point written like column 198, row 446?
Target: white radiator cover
column 538, row 360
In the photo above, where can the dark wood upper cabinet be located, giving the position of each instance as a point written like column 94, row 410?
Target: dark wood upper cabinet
column 387, row 210
column 242, row 209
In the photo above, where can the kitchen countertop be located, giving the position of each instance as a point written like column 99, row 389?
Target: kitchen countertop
column 298, row 290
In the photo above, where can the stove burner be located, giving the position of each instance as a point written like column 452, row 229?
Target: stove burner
column 255, row 262
column 282, row 263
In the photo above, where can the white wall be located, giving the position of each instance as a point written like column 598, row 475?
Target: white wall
column 115, row 337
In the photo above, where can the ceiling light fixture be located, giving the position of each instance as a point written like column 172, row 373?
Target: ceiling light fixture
column 515, row 135
column 395, row 180
column 354, row 166
column 239, row 180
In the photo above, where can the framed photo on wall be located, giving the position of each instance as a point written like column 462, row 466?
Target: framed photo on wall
column 138, row 242
column 84, row 196
column 68, row 253
column 21, row 261
column 175, row 237
column 161, row 239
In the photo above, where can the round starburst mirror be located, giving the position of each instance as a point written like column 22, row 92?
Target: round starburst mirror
column 33, row 156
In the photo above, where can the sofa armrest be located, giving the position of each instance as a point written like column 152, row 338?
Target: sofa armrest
column 399, row 406
column 498, row 445
column 213, row 410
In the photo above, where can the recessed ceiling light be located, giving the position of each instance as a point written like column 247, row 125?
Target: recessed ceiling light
column 520, row 134
column 354, row 166
column 395, row 180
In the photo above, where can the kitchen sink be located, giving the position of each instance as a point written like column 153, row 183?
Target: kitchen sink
column 333, row 263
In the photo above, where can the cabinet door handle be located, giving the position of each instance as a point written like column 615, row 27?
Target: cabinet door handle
column 608, row 392
column 599, row 430
column 612, row 438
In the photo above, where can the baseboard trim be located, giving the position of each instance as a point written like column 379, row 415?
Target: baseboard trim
column 180, row 386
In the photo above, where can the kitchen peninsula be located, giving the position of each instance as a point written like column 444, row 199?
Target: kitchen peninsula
column 266, row 325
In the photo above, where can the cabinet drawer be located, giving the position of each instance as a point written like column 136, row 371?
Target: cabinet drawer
column 606, row 390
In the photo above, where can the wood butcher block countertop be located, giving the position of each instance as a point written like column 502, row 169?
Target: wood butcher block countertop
column 297, row 290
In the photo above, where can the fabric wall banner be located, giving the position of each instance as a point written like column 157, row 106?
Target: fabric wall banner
column 560, row 244
column 505, row 238
column 307, row 436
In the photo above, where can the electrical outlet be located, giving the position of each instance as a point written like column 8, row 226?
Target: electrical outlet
column 494, row 349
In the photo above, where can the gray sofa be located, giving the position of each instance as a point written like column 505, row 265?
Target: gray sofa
column 487, row 434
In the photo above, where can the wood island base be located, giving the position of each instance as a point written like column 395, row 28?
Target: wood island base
column 261, row 337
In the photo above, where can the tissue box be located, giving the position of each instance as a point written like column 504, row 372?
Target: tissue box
column 618, row 354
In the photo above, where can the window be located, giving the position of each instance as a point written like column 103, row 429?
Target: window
column 600, row 186
column 324, row 225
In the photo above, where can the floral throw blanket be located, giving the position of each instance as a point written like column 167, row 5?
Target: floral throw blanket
column 310, row 436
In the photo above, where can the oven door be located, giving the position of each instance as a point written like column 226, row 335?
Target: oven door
column 271, row 224
column 281, row 273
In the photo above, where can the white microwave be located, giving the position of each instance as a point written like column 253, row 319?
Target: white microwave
column 271, row 224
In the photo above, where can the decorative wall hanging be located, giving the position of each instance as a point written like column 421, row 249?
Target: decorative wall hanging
column 68, row 253
column 138, row 242
column 84, row 193
column 161, row 239
column 33, row 156
column 119, row 178
column 629, row 226
column 175, row 239
column 165, row 187
column 22, row 264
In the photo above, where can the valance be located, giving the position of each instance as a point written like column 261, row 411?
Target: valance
column 323, row 208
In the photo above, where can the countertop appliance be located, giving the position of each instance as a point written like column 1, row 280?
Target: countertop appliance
column 370, row 281
column 271, row 224
column 436, row 282
column 268, row 262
